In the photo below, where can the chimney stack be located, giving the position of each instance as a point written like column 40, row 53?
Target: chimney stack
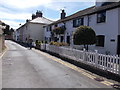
column 27, row 20
column 39, row 14
column 33, row 16
column 63, row 14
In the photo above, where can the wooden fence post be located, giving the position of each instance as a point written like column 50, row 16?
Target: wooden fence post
column 84, row 55
column 96, row 58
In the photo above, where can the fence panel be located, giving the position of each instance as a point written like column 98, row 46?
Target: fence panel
column 101, row 61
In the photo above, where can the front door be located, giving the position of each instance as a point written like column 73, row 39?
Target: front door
column 68, row 39
column 118, row 47
column 61, row 38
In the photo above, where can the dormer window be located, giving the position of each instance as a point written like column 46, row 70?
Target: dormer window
column 101, row 17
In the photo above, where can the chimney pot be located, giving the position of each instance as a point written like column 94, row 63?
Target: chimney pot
column 33, row 16
column 63, row 14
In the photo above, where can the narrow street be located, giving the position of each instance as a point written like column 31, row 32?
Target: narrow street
column 24, row 68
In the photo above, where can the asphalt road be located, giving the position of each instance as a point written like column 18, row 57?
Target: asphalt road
column 24, row 68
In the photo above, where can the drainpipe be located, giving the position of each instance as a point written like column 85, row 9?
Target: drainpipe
column 88, row 20
column 71, row 36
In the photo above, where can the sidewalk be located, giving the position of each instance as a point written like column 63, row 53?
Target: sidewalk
column 1, row 55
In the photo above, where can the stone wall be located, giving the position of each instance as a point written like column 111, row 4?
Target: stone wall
column 2, row 45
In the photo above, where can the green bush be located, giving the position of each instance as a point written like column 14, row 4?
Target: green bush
column 59, row 30
column 37, row 42
column 58, row 43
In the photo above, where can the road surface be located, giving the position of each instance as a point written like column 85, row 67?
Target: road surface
column 24, row 68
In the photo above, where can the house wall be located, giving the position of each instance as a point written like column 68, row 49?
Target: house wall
column 69, row 31
column 30, row 31
column 17, row 35
column 47, row 34
column 36, row 31
column 26, row 33
column 109, row 29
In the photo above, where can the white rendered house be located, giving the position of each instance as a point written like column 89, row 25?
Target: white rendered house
column 33, row 29
column 104, row 18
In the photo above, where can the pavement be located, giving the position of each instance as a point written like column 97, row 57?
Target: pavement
column 24, row 68
column 1, row 55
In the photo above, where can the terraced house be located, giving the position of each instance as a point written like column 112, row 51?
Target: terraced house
column 32, row 29
column 104, row 18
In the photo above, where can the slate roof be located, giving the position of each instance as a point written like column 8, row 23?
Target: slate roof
column 89, row 11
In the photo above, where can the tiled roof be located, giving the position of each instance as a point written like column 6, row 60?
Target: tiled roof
column 38, row 20
column 41, row 20
column 89, row 11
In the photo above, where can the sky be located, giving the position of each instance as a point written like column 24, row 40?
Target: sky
column 15, row 12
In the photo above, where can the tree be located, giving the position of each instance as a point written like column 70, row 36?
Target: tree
column 7, row 29
column 11, row 31
column 84, row 35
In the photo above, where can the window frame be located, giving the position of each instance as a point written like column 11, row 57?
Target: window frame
column 78, row 22
column 101, row 17
column 100, row 42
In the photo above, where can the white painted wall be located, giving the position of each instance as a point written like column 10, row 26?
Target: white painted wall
column 47, row 34
column 17, row 35
column 33, row 31
column 109, row 29
column 36, row 31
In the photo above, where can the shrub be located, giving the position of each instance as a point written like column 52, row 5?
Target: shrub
column 58, row 43
column 84, row 35
column 59, row 30
column 37, row 42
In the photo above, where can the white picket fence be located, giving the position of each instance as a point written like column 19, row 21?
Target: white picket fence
column 101, row 61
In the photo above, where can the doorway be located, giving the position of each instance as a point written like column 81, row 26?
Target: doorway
column 118, row 46
column 68, row 40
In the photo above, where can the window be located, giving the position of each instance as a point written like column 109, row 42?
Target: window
column 118, row 46
column 49, row 39
column 100, row 40
column 101, row 17
column 62, row 38
column 77, row 22
column 68, row 39
column 49, row 28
